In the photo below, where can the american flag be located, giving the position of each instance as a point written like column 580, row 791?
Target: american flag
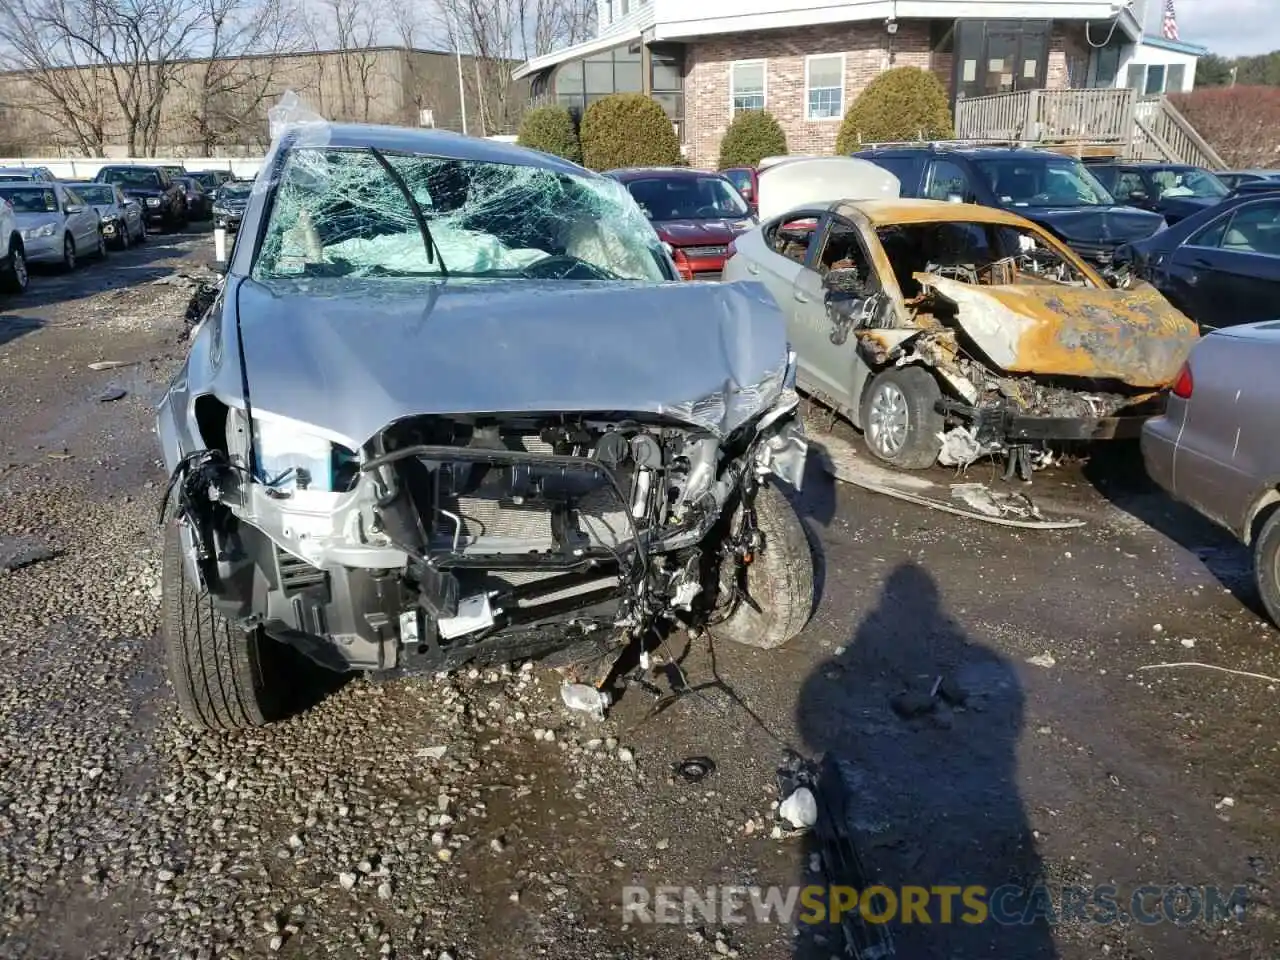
column 1170, row 25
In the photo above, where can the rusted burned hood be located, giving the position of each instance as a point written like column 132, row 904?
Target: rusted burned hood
column 1133, row 336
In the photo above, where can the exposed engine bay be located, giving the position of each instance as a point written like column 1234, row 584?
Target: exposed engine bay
column 459, row 538
column 1029, row 349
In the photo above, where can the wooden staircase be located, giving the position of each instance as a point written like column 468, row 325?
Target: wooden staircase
column 1098, row 122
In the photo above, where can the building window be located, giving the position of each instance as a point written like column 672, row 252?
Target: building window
column 1153, row 79
column 824, row 86
column 746, row 85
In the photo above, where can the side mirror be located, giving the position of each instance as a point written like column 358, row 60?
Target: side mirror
column 74, row 208
column 747, row 192
column 1137, row 196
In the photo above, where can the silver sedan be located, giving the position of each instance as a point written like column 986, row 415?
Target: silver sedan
column 1215, row 447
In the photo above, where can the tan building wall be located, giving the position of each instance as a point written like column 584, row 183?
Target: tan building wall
column 868, row 50
column 379, row 85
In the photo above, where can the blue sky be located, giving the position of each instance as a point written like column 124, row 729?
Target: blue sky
column 1227, row 27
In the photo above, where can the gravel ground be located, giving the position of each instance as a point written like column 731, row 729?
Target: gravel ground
column 473, row 816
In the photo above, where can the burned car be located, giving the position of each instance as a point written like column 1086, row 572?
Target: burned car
column 452, row 405
column 949, row 332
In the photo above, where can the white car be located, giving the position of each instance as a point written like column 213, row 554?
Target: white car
column 13, row 259
column 56, row 223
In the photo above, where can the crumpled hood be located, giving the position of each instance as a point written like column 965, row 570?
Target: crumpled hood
column 352, row 357
column 1133, row 336
column 695, row 233
column 1094, row 225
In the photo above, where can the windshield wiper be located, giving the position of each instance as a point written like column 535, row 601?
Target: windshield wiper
column 433, row 252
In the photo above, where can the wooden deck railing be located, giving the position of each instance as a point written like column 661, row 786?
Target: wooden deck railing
column 1140, row 128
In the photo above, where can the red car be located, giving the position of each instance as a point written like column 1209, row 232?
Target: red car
column 696, row 213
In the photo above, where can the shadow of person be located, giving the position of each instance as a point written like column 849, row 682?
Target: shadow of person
column 928, row 780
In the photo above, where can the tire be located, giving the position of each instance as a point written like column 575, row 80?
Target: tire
column 1266, row 566
column 142, row 231
column 900, row 421
column 125, row 241
column 68, row 253
column 223, row 677
column 101, row 252
column 14, row 277
column 779, row 579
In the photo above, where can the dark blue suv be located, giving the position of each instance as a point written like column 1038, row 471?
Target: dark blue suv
column 1050, row 189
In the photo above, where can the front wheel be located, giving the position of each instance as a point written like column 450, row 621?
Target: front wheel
column 779, row 579
column 1266, row 565
column 224, row 678
column 900, row 421
column 13, row 273
column 68, row 253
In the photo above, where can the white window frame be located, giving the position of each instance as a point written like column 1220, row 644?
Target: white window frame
column 764, row 81
column 839, row 113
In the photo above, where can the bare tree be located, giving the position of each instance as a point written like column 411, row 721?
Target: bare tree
column 499, row 33
column 243, row 43
column 98, row 61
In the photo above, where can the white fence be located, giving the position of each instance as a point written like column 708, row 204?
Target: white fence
column 86, row 168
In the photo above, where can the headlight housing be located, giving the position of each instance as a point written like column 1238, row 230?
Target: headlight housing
column 153, row 201
column 290, row 459
column 44, row 230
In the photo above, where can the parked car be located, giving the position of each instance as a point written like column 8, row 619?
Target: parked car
column 948, row 332
column 57, row 224
column 229, row 207
column 466, row 413
column 163, row 199
column 199, row 206
column 1055, row 191
column 1220, row 267
column 21, row 174
column 1173, row 190
column 123, row 222
column 211, row 179
column 695, row 212
column 1215, row 446
column 174, row 169
column 1234, row 178
column 1266, row 185
column 13, row 259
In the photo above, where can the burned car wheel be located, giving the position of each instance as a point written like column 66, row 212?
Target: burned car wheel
column 900, row 421
column 779, row 580
column 1266, row 561
column 224, row 678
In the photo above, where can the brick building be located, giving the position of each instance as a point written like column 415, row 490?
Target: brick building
column 806, row 63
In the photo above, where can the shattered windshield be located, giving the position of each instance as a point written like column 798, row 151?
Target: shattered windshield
column 1043, row 182
column 688, row 198
column 126, row 177
column 344, row 212
column 1188, row 182
column 31, row 199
